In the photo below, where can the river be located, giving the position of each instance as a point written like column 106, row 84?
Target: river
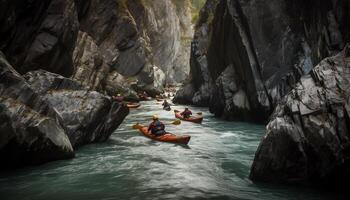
column 215, row 165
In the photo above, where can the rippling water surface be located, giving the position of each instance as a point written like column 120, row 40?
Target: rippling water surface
column 215, row 165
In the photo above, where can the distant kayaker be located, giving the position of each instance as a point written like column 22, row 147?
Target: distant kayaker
column 156, row 127
column 144, row 93
column 143, row 96
column 186, row 113
column 118, row 98
column 166, row 105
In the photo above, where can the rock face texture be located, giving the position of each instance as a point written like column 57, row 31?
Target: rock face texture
column 308, row 137
column 28, row 135
column 65, row 56
column 87, row 116
column 39, row 34
column 44, row 116
column 197, row 91
column 93, row 41
column 141, row 43
column 249, row 54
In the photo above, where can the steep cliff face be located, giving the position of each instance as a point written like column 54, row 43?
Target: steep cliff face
column 308, row 137
column 257, row 51
column 39, row 34
column 29, row 133
column 44, row 116
column 197, row 91
column 141, row 41
column 94, row 40
column 99, row 47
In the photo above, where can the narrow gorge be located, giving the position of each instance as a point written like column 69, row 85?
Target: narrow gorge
column 62, row 60
column 269, row 82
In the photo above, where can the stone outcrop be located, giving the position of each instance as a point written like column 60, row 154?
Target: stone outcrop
column 308, row 137
column 28, row 135
column 66, row 56
column 247, row 55
column 93, row 41
column 87, row 116
column 145, row 41
column 39, row 34
column 44, row 116
column 197, row 90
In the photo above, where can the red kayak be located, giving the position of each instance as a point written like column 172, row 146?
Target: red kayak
column 133, row 105
column 197, row 119
column 168, row 137
column 144, row 98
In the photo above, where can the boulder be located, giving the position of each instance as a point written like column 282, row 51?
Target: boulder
column 308, row 137
column 87, row 116
column 30, row 132
column 29, row 138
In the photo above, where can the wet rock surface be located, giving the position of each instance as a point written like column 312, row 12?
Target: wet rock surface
column 308, row 137
column 39, row 34
column 45, row 115
column 88, row 116
column 28, row 135
column 144, row 41
column 93, row 41
column 246, row 56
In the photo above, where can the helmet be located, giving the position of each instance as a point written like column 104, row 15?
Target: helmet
column 155, row 117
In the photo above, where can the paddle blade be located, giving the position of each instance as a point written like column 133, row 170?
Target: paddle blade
column 137, row 126
column 200, row 113
column 176, row 122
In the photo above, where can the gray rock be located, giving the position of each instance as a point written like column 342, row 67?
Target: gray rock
column 269, row 46
column 308, row 137
column 30, row 132
column 28, row 137
column 39, row 34
column 87, row 116
column 184, row 95
column 133, row 38
column 90, row 68
column 44, row 115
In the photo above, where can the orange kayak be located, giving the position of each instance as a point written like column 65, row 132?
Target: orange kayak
column 197, row 120
column 144, row 98
column 133, row 105
column 168, row 137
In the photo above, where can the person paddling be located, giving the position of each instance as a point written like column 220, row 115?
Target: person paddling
column 118, row 98
column 166, row 105
column 186, row 113
column 156, row 127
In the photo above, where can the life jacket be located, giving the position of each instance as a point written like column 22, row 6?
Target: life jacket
column 158, row 127
column 186, row 113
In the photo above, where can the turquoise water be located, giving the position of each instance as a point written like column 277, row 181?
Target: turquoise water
column 215, row 165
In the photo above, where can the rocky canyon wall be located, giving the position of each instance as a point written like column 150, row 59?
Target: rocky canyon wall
column 246, row 55
column 62, row 59
column 105, row 45
column 253, row 58
column 308, row 137
column 139, row 42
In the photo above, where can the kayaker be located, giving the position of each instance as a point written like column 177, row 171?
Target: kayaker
column 186, row 113
column 118, row 98
column 145, row 94
column 156, row 127
column 166, row 105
